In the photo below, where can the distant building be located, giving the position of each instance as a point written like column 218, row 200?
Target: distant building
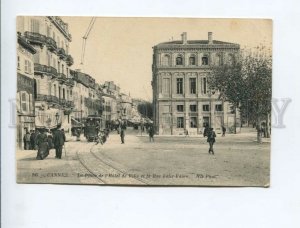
column 25, row 89
column 181, row 96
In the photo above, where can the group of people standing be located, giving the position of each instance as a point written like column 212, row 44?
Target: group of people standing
column 43, row 140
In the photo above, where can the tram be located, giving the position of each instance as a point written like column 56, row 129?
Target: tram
column 93, row 125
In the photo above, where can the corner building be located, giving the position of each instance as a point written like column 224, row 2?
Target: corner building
column 52, row 61
column 181, row 96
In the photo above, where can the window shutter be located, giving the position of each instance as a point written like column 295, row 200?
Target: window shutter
column 30, row 103
column 18, row 106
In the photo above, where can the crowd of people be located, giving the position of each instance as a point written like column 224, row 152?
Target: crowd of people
column 43, row 140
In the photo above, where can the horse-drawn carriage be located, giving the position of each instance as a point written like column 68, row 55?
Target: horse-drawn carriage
column 92, row 127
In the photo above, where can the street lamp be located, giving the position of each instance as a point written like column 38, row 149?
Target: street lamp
column 57, row 117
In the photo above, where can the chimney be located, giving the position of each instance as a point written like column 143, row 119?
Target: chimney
column 184, row 38
column 210, row 39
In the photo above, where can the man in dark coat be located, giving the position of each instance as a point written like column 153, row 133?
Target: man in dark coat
column 122, row 135
column 32, row 140
column 151, row 133
column 211, row 139
column 58, row 141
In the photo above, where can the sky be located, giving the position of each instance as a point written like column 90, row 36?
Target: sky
column 120, row 49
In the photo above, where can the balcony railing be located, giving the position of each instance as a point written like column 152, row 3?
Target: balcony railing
column 69, row 82
column 35, row 38
column 69, row 60
column 43, row 69
column 47, row 98
column 61, row 53
column 61, row 77
column 51, row 44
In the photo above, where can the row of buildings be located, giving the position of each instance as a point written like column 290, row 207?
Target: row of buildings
column 182, row 99
column 49, row 91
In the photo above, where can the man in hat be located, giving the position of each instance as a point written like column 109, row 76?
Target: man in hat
column 211, row 139
column 58, row 141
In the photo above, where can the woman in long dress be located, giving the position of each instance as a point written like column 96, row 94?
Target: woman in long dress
column 43, row 150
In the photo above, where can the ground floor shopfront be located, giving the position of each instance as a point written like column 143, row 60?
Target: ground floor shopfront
column 175, row 117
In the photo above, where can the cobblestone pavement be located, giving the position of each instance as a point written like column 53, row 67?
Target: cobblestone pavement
column 238, row 161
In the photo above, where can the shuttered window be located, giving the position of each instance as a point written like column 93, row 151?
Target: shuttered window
column 35, row 25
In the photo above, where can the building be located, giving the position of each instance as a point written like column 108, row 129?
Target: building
column 25, row 89
column 181, row 96
column 52, row 82
column 86, row 97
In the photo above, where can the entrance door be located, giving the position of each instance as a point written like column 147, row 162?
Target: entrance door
column 205, row 121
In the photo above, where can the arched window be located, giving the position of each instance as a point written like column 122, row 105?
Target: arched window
column 166, row 60
column 192, row 60
column 204, row 60
column 179, row 60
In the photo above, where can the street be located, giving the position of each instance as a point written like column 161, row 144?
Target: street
column 238, row 161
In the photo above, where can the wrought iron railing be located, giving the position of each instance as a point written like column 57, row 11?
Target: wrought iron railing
column 49, row 70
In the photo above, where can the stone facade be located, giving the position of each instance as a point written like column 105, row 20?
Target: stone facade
column 181, row 96
column 25, row 89
column 53, row 84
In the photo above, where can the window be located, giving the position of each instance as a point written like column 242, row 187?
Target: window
column 24, row 102
column 166, row 60
column 192, row 61
column 193, row 122
column 180, row 123
column 193, row 108
column 35, row 25
column 27, row 66
column 49, row 88
column 19, row 64
column 204, row 86
column 64, row 95
column 179, row 108
column 54, row 88
column 59, row 92
column 36, row 57
column 219, row 108
column 62, row 68
column 205, row 60
column 179, row 85
column 166, row 86
column 193, row 85
column 205, row 108
column 179, row 60
column 205, row 121
column 218, row 60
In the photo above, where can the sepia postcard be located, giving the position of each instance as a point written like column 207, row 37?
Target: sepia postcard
column 143, row 101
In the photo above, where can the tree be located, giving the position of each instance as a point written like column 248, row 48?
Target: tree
column 247, row 83
column 145, row 108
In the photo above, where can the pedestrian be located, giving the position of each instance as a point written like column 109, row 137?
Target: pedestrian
column 43, row 146
column 151, row 133
column 36, row 138
column 122, row 135
column 206, row 130
column 32, row 139
column 58, row 141
column 26, row 140
column 211, row 139
column 223, row 130
column 186, row 132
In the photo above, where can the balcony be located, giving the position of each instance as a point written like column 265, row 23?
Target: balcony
column 62, row 102
column 47, row 98
column 51, row 44
column 43, row 69
column 70, row 104
column 61, row 77
column 69, row 60
column 69, row 82
column 35, row 38
column 61, row 53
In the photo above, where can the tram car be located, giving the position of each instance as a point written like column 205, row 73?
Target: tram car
column 92, row 127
